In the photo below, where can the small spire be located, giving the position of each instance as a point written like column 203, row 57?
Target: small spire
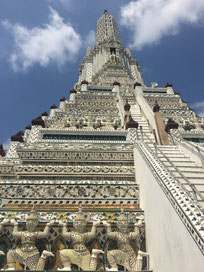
column 38, row 122
column 45, row 114
column 84, row 82
column 53, row 107
column 18, row 137
column 73, row 91
column 169, row 85
column 63, row 99
column 28, row 127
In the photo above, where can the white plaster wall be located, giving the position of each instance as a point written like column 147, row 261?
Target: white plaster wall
column 192, row 152
column 170, row 245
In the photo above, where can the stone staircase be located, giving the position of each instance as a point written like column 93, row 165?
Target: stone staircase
column 180, row 165
column 143, row 125
column 187, row 172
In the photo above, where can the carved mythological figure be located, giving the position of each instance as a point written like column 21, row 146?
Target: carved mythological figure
column 125, row 254
column 28, row 254
column 127, row 113
column 114, row 58
column 79, row 255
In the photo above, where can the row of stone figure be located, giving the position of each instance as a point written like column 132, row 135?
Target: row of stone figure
column 28, row 254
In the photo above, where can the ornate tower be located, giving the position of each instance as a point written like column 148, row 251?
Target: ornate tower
column 107, row 29
column 93, row 152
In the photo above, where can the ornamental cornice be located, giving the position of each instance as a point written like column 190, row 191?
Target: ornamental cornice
column 77, row 146
column 163, row 95
column 67, row 212
column 154, row 89
column 68, row 131
column 91, row 180
column 50, row 202
column 79, row 141
column 70, row 192
column 76, row 155
column 69, row 169
column 95, row 94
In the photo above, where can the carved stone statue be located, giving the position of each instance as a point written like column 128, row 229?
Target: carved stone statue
column 108, row 122
column 97, row 124
column 28, row 254
column 127, row 115
column 125, row 254
column 114, row 58
column 79, row 255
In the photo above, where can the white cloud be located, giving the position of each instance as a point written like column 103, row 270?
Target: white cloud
column 56, row 42
column 199, row 107
column 152, row 20
column 66, row 3
column 6, row 144
column 91, row 38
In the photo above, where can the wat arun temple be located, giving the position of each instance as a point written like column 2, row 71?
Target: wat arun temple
column 111, row 179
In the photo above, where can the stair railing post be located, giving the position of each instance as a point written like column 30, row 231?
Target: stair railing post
column 141, row 132
column 137, row 135
column 156, row 149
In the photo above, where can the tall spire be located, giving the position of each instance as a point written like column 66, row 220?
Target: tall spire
column 107, row 29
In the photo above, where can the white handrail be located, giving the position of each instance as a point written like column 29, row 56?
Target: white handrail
column 147, row 111
column 121, row 108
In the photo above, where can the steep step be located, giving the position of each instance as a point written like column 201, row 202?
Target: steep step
column 137, row 116
column 194, row 174
column 195, row 180
column 183, row 159
column 191, row 169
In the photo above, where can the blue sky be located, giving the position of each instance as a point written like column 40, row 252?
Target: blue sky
column 42, row 43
